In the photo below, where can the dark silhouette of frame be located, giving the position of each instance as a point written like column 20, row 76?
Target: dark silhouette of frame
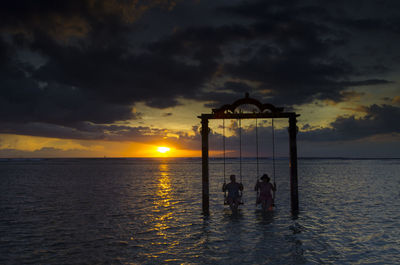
column 265, row 111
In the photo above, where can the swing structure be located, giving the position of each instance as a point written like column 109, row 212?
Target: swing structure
column 265, row 111
column 240, row 159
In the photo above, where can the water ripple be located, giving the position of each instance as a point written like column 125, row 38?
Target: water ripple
column 149, row 212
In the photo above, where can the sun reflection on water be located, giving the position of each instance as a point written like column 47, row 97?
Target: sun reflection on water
column 164, row 187
column 163, row 201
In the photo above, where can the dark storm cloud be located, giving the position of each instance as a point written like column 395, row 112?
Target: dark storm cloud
column 380, row 120
column 296, row 60
column 92, row 79
column 24, row 99
column 280, row 49
column 98, row 60
column 64, row 19
column 108, row 74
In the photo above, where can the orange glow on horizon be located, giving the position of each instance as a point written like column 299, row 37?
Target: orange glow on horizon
column 20, row 146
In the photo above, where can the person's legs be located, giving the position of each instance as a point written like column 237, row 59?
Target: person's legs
column 233, row 204
column 263, row 201
column 268, row 204
column 263, row 204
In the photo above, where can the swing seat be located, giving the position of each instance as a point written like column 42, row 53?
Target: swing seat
column 240, row 202
column 226, row 200
column 270, row 208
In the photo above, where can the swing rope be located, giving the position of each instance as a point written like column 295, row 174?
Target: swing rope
column 273, row 148
column 258, row 171
column 240, row 160
column 223, row 144
column 273, row 160
column 240, row 149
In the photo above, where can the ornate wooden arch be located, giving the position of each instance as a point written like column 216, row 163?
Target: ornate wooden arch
column 266, row 111
column 230, row 108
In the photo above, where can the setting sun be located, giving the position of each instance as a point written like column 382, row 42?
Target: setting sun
column 163, row 149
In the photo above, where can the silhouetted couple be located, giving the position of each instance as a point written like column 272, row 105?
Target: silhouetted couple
column 264, row 197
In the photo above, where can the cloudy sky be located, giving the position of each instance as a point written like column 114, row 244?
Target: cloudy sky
column 94, row 78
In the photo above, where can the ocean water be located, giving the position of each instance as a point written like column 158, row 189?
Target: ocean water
column 148, row 211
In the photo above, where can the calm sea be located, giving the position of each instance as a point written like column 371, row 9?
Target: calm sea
column 148, row 211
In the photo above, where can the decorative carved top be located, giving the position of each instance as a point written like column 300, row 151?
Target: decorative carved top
column 230, row 108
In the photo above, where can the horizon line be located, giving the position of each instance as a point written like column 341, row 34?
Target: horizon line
column 199, row 157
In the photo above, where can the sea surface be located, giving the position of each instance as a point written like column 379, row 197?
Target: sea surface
column 148, row 211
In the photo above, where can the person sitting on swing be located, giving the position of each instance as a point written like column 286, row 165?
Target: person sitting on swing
column 233, row 189
column 265, row 196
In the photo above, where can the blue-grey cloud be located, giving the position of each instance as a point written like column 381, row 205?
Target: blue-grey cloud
column 380, row 120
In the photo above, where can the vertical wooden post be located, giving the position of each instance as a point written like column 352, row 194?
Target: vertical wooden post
column 204, row 159
column 294, row 193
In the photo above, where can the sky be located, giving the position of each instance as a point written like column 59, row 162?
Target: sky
column 95, row 78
